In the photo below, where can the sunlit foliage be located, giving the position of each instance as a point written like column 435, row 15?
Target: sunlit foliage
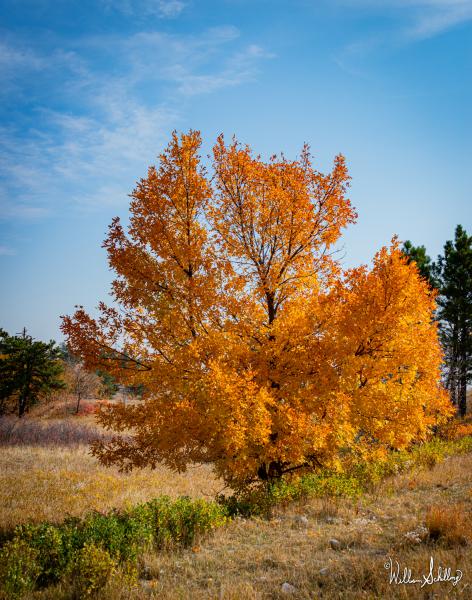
column 257, row 353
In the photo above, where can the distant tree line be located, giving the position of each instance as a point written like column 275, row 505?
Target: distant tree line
column 31, row 371
column 451, row 276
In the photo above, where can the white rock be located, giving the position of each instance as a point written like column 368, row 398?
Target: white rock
column 288, row 588
column 324, row 571
column 335, row 544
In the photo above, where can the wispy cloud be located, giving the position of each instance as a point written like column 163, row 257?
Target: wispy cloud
column 403, row 22
column 240, row 68
column 435, row 16
column 419, row 18
column 106, row 125
column 161, row 8
column 84, row 162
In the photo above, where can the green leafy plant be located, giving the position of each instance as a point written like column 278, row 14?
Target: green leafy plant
column 19, row 568
column 91, row 570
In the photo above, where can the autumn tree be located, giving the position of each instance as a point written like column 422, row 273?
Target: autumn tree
column 254, row 351
column 81, row 382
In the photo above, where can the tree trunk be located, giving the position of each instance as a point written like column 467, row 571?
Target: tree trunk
column 463, row 394
column 78, row 404
column 21, row 405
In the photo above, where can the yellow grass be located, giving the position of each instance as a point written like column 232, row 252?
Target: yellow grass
column 252, row 559
column 48, row 483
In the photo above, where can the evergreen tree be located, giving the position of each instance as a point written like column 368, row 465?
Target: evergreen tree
column 28, row 369
column 454, row 271
column 425, row 266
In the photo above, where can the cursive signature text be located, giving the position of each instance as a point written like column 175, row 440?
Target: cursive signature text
column 403, row 575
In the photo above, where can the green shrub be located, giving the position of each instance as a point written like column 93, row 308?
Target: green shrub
column 91, row 570
column 429, row 454
column 460, row 446
column 182, row 521
column 261, row 500
column 119, row 537
column 107, row 531
column 19, row 568
column 139, row 529
column 53, row 550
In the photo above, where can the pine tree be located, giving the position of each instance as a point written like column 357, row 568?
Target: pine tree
column 454, row 271
column 28, row 369
column 426, row 267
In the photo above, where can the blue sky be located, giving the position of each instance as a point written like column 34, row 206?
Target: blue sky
column 92, row 89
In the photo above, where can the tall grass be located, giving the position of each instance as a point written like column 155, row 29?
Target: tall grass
column 16, row 432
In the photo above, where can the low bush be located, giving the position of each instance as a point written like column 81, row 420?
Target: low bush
column 19, row 569
column 184, row 520
column 262, row 500
column 354, row 478
column 52, row 548
column 40, row 555
column 91, row 569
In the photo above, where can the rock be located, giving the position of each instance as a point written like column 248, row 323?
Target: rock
column 288, row 588
column 324, row 571
column 335, row 544
column 301, row 520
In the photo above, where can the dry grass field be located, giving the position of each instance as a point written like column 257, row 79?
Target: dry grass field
column 47, row 472
column 40, row 483
column 321, row 548
column 252, row 559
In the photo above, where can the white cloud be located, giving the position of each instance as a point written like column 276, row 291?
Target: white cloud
column 14, row 58
column 171, row 8
column 91, row 153
column 239, row 68
column 160, row 8
column 86, row 163
column 436, row 16
column 422, row 18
